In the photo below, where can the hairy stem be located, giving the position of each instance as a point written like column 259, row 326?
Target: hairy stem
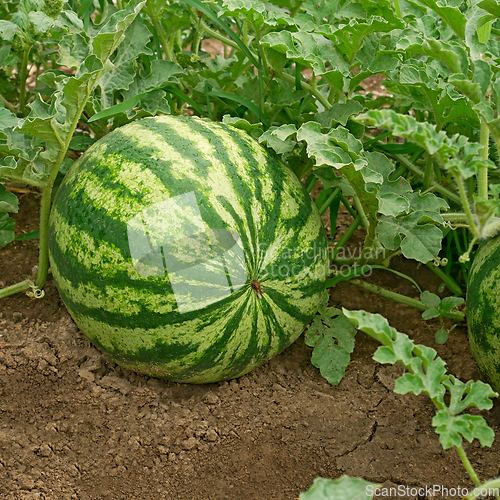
column 306, row 86
column 403, row 299
column 162, row 36
column 23, row 75
column 482, row 177
column 43, row 256
column 450, row 283
column 492, row 485
column 22, row 286
column 218, row 36
column 465, row 204
column 8, row 105
column 467, row 465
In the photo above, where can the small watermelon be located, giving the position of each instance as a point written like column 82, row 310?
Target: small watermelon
column 184, row 250
column 483, row 311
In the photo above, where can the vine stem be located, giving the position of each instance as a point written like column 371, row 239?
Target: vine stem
column 402, row 299
column 43, row 257
column 450, row 283
column 161, row 34
column 482, row 176
column 465, row 204
column 467, row 465
column 306, row 86
column 450, row 195
column 8, row 105
column 22, row 286
column 218, row 36
column 493, row 484
column 23, row 77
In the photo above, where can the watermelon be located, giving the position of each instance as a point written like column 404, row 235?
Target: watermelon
column 483, row 311
column 184, row 250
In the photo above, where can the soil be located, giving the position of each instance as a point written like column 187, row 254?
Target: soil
column 74, row 425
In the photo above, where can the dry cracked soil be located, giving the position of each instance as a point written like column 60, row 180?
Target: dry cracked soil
column 74, row 425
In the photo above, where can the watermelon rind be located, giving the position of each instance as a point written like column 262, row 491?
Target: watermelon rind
column 185, row 250
column 483, row 311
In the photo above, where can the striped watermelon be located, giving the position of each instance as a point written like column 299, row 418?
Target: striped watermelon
column 186, row 251
column 483, row 311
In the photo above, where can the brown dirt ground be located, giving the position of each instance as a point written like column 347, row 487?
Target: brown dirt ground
column 75, row 426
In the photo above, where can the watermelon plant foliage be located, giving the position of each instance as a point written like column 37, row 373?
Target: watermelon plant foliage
column 425, row 374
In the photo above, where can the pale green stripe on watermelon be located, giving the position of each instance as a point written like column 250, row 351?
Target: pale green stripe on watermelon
column 86, row 251
column 118, row 299
column 115, row 202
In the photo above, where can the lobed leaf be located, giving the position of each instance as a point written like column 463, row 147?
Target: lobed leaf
column 452, row 428
column 331, row 335
column 421, row 242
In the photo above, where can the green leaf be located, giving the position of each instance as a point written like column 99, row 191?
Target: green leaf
column 454, row 153
column 350, row 36
column 420, row 242
column 161, row 74
column 427, row 374
column 112, row 33
column 135, row 43
column 7, row 226
column 491, row 6
column 393, row 196
column 452, row 428
column 280, row 138
column 441, row 336
column 240, row 100
column 309, row 49
column 7, row 119
column 331, row 335
column 321, row 148
column 33, row 235
column 426, row 377
column 119, row 108
column 343, row 488
column 338, row 113
column 8, row 29
column 452, row 16
column 81, row 142
column 8, row 200
column 73, row 50
column 449, row 303
column 373, row 324
column 430, row 299
column 430, row 313
column 254, row 129
column 471, row 393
